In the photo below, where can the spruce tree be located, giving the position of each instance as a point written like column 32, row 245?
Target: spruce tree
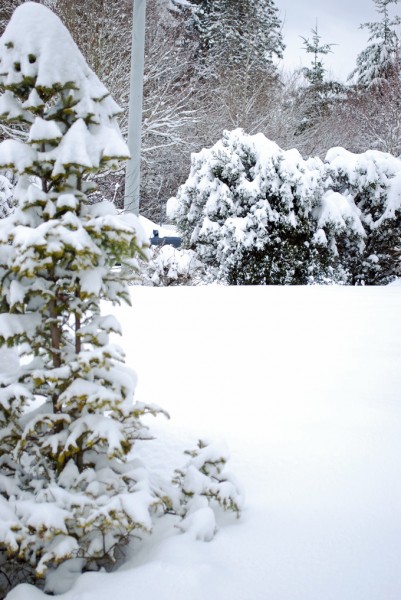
column 238, row 32
column 379, row 62
column 67, row 416
column 315, row 73
column 317, row 99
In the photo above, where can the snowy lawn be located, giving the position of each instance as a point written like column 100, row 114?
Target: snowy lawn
column 303, row 384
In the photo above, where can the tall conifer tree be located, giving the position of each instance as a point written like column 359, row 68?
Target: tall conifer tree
column 238, row 32
column 67, row 416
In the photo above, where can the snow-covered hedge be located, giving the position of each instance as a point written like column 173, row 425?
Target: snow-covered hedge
column 263, row 215
column 260, row 214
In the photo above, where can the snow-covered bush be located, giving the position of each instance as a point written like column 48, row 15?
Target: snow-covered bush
column 171, row 266
column 67, row 416
column 204, row 483
column 261, row 215
column 372, row 181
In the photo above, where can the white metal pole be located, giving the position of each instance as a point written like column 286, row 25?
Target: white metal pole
column 133, row 171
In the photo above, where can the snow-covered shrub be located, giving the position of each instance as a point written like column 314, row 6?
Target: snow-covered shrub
column 260, row 214
column 67, row 417
column 372, row 181
column 205, row 484
column 171, row 266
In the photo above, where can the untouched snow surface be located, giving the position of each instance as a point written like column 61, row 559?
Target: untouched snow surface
column 304, row 386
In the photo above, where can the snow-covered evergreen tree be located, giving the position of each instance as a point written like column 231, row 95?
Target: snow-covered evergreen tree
column 67, row 416
column 379, row 62
column 263, row 216
column 315, row 73
column 319, row 97
column 237, row 32
column 168, row 266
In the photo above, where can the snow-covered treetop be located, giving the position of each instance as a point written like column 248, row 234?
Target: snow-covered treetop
column 48, row 85
column 237, row 32
column 243, row 173
column 37, row 46
column 315, row 73
column 382, row 30
column 379, row 61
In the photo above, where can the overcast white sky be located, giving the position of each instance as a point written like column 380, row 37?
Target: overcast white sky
column 338, row 22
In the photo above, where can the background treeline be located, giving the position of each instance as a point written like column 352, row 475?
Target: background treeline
column 217, row 65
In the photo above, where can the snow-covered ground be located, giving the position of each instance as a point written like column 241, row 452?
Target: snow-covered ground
column 304, row 386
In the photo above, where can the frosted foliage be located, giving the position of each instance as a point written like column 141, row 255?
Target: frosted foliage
column 253, row 210
column 374, row 65
column 68, row 419
column 369, row 174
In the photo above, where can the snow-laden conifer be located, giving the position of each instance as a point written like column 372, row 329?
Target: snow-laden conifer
column 379, row 62
column 315, row 72
column 316, row 100
column 237, row 32
column 67, row 416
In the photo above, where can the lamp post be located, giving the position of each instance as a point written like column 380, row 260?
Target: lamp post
column 133, row 170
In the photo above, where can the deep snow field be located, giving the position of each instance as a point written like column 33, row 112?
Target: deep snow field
column 304, row 385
